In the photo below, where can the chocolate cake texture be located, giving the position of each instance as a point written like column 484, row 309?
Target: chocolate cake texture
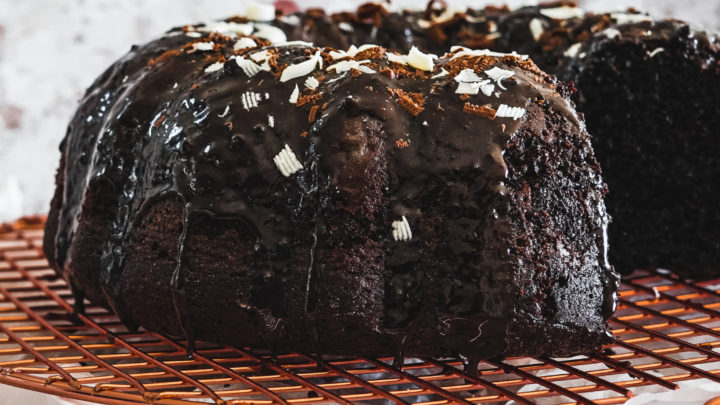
column 222, row 183
column 649, row 90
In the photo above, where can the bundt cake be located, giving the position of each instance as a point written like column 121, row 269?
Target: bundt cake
column 648, row 89
column 354, row 201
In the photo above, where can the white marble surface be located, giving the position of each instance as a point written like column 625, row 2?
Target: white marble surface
column 51, row 50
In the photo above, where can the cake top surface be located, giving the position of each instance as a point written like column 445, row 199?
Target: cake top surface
column 241, row 128
column 215, row 92
column 552, row 31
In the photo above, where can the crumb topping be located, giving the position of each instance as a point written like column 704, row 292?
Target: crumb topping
column 482, row 110
column 413, row 102
column 310, row 98
column 313, row 111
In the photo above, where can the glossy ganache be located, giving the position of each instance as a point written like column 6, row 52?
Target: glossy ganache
column 359, row 201
column 648, row 89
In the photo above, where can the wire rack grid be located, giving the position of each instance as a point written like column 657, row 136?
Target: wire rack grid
column 668, row 331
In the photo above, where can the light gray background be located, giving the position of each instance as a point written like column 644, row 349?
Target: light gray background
column 51, row 50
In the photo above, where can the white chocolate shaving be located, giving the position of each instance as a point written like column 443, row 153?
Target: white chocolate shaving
column 509, row 112
column 295, row 43
column 214, row 67
column 462, row 51
column 447, row 15
column 420, row 60
column 260, row 11
column 346, row 27
column 473, row 87
column 345, row 65
column 261, row 56
column 225, row 112
column 287, row 162
column 271, row 121
column 628, row 18
column 249, row 67
column 273, row 34
column 499, row 75
column 202, row 46
column 351, row 52
column 573, row 50
column 244, row 43
column 536, row 28
column 311, row 83
column 470, row 83
column 561, row 13
column 442, row 73
column 365, row 47
column 401, row 230
column 395, row 58
column 302, row 68
column 655, row 52
column 193, row 34
column 611, row 33
column 250, row 99
column 225, row 27
column 487, row 88
column 467, row 76
column 294, row 95
column 468, row 88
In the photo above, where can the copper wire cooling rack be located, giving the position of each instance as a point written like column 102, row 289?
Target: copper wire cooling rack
column 668, row 331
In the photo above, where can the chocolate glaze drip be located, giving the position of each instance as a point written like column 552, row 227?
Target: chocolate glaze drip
column 163, row 123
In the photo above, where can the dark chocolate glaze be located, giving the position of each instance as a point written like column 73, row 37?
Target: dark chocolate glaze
column 485, row 273
column 605, row 54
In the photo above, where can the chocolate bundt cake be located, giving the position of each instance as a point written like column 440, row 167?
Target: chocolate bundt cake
column 339, row 201
column 649, row 92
